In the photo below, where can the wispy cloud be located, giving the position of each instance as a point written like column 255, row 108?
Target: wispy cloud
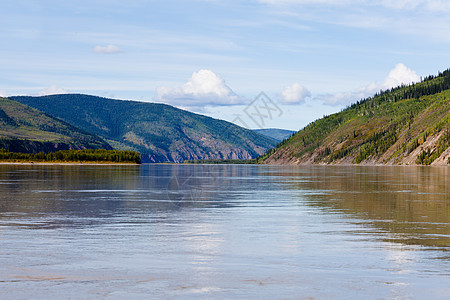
column 428, row 19
column 202, row 89
column 430, row 5
column 52, row 90
column 399, row 75
column 315, row 2
column 110, row 49
column 324, row 45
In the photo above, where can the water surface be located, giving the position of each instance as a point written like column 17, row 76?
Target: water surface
column 224, row 231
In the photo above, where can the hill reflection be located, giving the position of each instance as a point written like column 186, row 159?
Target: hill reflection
column 410, row 204
column 85, row 195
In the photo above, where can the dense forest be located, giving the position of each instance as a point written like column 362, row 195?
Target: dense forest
column 91, row 155
column 25, row 129
column 276, row 134
column 403, row 125
column 161, row 133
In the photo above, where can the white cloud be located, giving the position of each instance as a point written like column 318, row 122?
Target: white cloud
column 203, row 88
column 399, row 4
column 399, row 75
column 3, row 93
column 52, row 90
column 328, row 2
column 348, row 97
column 429, row 5
column 294, row 94
column 110, row 49
column 424, row 19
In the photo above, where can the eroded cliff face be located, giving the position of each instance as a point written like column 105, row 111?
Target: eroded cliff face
column 194, row 147
column 397, row 127
column 161, row 133
column 391, row 157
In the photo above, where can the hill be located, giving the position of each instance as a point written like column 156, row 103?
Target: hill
column 275, row 133
column 25, row 129
column 161, row 133
column 402, row 126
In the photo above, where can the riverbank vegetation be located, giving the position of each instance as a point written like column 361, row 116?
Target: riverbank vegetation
column 78, row 156
column 161, row 133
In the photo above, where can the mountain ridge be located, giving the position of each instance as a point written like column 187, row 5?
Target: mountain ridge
column 406, row 125
column 276, row 133
column 25, row 129
column 160, row 132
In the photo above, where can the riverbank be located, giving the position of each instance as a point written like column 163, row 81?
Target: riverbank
column 86, row 156
column 66, row 163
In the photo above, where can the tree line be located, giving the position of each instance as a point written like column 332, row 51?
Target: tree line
column 430, row 85
column 90, row 155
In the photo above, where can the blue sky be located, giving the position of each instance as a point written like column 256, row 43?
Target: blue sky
column 214, row 57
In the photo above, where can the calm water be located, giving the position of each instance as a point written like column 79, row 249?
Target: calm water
column 234, row 232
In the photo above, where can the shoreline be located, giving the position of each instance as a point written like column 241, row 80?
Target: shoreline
column 67, row 163
column 29, row 163
column 355, row 165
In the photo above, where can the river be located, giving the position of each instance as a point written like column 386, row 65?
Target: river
column 224, row 232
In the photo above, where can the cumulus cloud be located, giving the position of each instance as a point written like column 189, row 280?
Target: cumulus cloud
column 109, row 49
column 52, row 90
column 203, row 88
column 399, row 75
column 294, row 94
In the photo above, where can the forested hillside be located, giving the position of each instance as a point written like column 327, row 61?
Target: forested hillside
column 404, row 125
column 275, row 133
column 25, row 129
column 161, row 133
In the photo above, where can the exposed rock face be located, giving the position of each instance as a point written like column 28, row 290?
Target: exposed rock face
column 161, row 133
column 390, row 157
column 403, row 126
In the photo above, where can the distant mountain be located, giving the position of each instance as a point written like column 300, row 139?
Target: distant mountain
column 25, row 129
column 161, row 133
column 276, row 134
column 402, row 126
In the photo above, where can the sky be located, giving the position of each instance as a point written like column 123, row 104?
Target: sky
column 259, row 64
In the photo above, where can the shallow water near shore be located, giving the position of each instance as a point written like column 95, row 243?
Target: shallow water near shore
column 224, row 232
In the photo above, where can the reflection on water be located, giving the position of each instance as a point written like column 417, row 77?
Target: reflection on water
column 412, row 204
column 230, row 231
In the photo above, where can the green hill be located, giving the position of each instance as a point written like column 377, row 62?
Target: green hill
column 25, row 129
column 275, row 133
column 404, row 125
column 161, row 133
